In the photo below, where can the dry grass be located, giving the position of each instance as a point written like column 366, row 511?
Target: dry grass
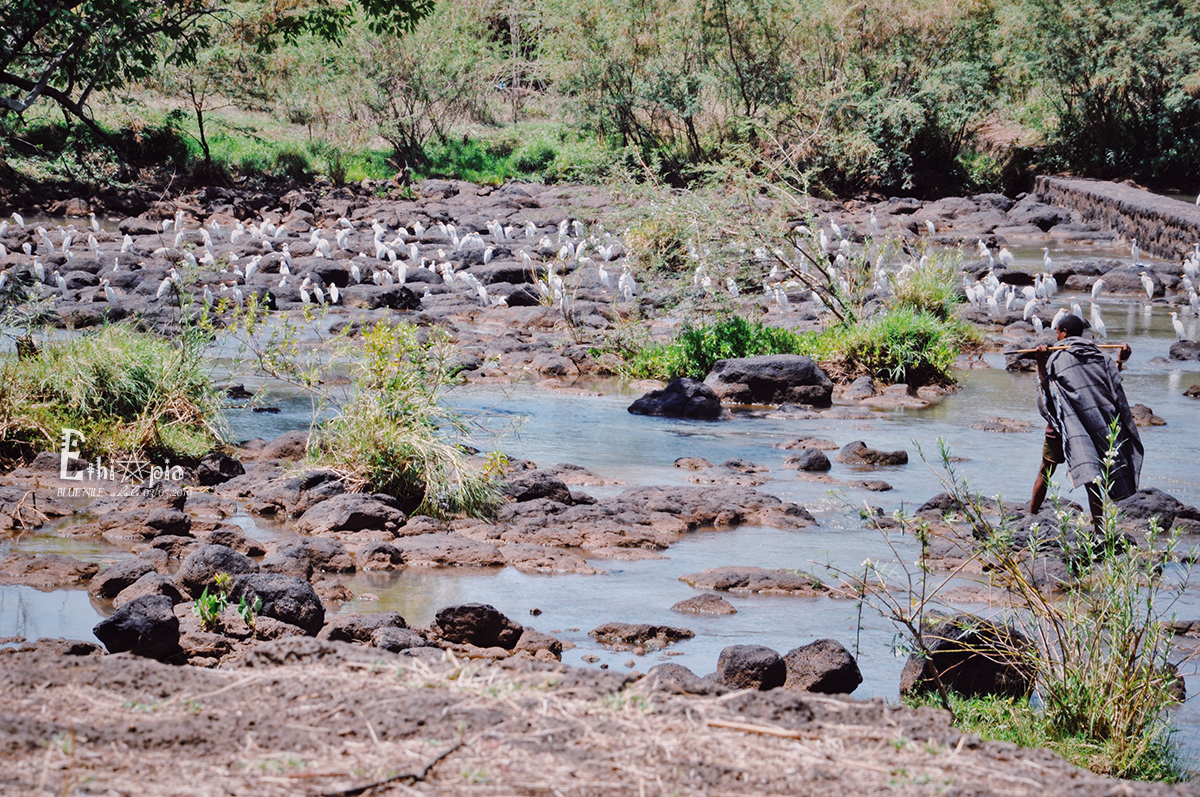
column 333, row 726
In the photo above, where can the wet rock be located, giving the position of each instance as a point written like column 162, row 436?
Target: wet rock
column 320, row 555
column 291, row 496
column 217, row 468
column 638, row 636
column 973, row 657
column 531, row 485
column 174, row 546
column 202, row 565
column 145, row 626
column 477, row 624
column 818, row 443
column 541, row 559
column 114, row 578
column 286, row 598
column 534, row 642
column 677, row 679
column 1144, row 416
column 395, row 639
column 379, row 555
column 874, row 485
column 808, row 459
column 693, row 463
column 45, row 570
column 705, row 604
column 823, row 666
column 22, row 509
column 151, row 583
column 351, row 512
column 682, row 398
column 747, row 580
column 770, row 379
column 1152, row 502
column 861, row 388
column 353, row 627
column 751, row 667
column 1192, row 392
column 1003, row 425
column 289, row 445
column 857, row 453
column 447, row 550
column 231, row 537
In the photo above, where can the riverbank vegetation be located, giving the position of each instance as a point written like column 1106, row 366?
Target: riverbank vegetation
column 931, row 98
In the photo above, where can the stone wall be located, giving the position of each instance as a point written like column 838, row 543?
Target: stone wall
column 1162, row 226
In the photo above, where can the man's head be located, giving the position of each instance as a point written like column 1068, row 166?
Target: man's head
column 1071, row 326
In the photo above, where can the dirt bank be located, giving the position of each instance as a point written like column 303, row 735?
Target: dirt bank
column 310, row 717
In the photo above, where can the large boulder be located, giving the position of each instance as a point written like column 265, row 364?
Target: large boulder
column 530, row 485
column 286, row 598
column 394, row 639
column 152, row 583
column 203, row 564
column 45, row 570
column 359, row 627
column 477, row 624
column 705, row 604
column 1151, row 502
column 682, row 398
column 809, row 459
column 973, row 657
column 770, row 379
column 857, row 453
column 751, row 667
column 352, row 512
column 146, row 626
column 112, row 580
column 1185, row 350
column 217, row 468
column 822, row 666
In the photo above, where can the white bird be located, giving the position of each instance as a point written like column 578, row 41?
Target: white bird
column 334, row 293
column 95, row 224
column 1178, row 325
column 19, row 219
column 1038, row 328
column 163, row 287
column 1062, row 311
column 356, row 273
column 487, row 255
column 1005, row 257
column 208, row 296
column 1097, row 288
column 1098, row 322
column 836, row 229
column 1137, row 253
column 1047, row 263
column 874, row 223
column 61, row 283
column 732, row 285
column 605, row 280
column 1148, row 284
column 304, row 297
column 319, row 295
column 126, row 244
column 993, row 305
column 929, row 226
column 1030, row 306
column 27, row 249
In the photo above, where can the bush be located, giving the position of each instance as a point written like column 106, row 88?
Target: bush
column 535, row 159
column 293, row 163
column 394, row 436
column 126, row 391
column 908, row 346
column 695, row 349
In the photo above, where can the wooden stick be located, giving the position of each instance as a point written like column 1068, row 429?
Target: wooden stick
column 1064, row 348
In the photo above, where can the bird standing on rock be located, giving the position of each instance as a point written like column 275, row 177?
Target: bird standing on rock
column 1148, row 284
column 1178, row 325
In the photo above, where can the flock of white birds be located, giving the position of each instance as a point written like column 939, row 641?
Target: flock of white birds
column 393, row 252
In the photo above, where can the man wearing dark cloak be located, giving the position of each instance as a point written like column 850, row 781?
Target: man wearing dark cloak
column 1081, row 398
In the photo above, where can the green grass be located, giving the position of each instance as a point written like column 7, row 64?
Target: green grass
column 903, row 345
column 126, row 391
column 1016, row 721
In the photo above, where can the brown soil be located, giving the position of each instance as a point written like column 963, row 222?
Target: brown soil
column 304, row 717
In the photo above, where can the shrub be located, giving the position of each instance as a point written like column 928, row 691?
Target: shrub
column 534, row 159
column 905, row 345
column 395, row 436
column 293, row 163
column 126, row 391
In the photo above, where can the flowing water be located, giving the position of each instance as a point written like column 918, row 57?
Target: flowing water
column 596, row 431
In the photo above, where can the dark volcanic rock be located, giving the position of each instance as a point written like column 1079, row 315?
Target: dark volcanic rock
column 632, row 636
column 21, row 509
column 1144, row 416
column 1185, row 350
column 530, row 485
column 348, row 627
column 45, row 570
column 973, row 657
column 395, row 639
column 352, row 512
column 751, row 667
column 677, row 679
column 809, row 459
column 447, row 550
column 152, row 583
column 323, row 555
column 217, row 468
column 112, row 580
column 1152, row 502
column 477, row 624
column 857, row 453
column 286, row 598
column 747, row 580
column 201, row 566
column 822, row 666
column 770, row 379
column 146, row 626
column 705, row 604
column 682, row 398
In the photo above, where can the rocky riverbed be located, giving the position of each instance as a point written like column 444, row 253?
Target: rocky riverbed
column 144, row 558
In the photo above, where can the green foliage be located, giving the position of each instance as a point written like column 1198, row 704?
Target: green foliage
column 905, row 345
column 248, row 611
column 395, row 435
column 126, row 391
column 208, row 607
column 696, row 348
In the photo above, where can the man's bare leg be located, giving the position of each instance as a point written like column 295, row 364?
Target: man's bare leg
column 1039, row 486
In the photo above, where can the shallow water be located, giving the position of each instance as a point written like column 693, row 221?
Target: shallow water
column 596, row 431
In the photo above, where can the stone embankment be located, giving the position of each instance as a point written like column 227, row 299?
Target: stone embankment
column 1162, row 226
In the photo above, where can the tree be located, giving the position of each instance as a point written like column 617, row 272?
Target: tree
column 65, row 50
